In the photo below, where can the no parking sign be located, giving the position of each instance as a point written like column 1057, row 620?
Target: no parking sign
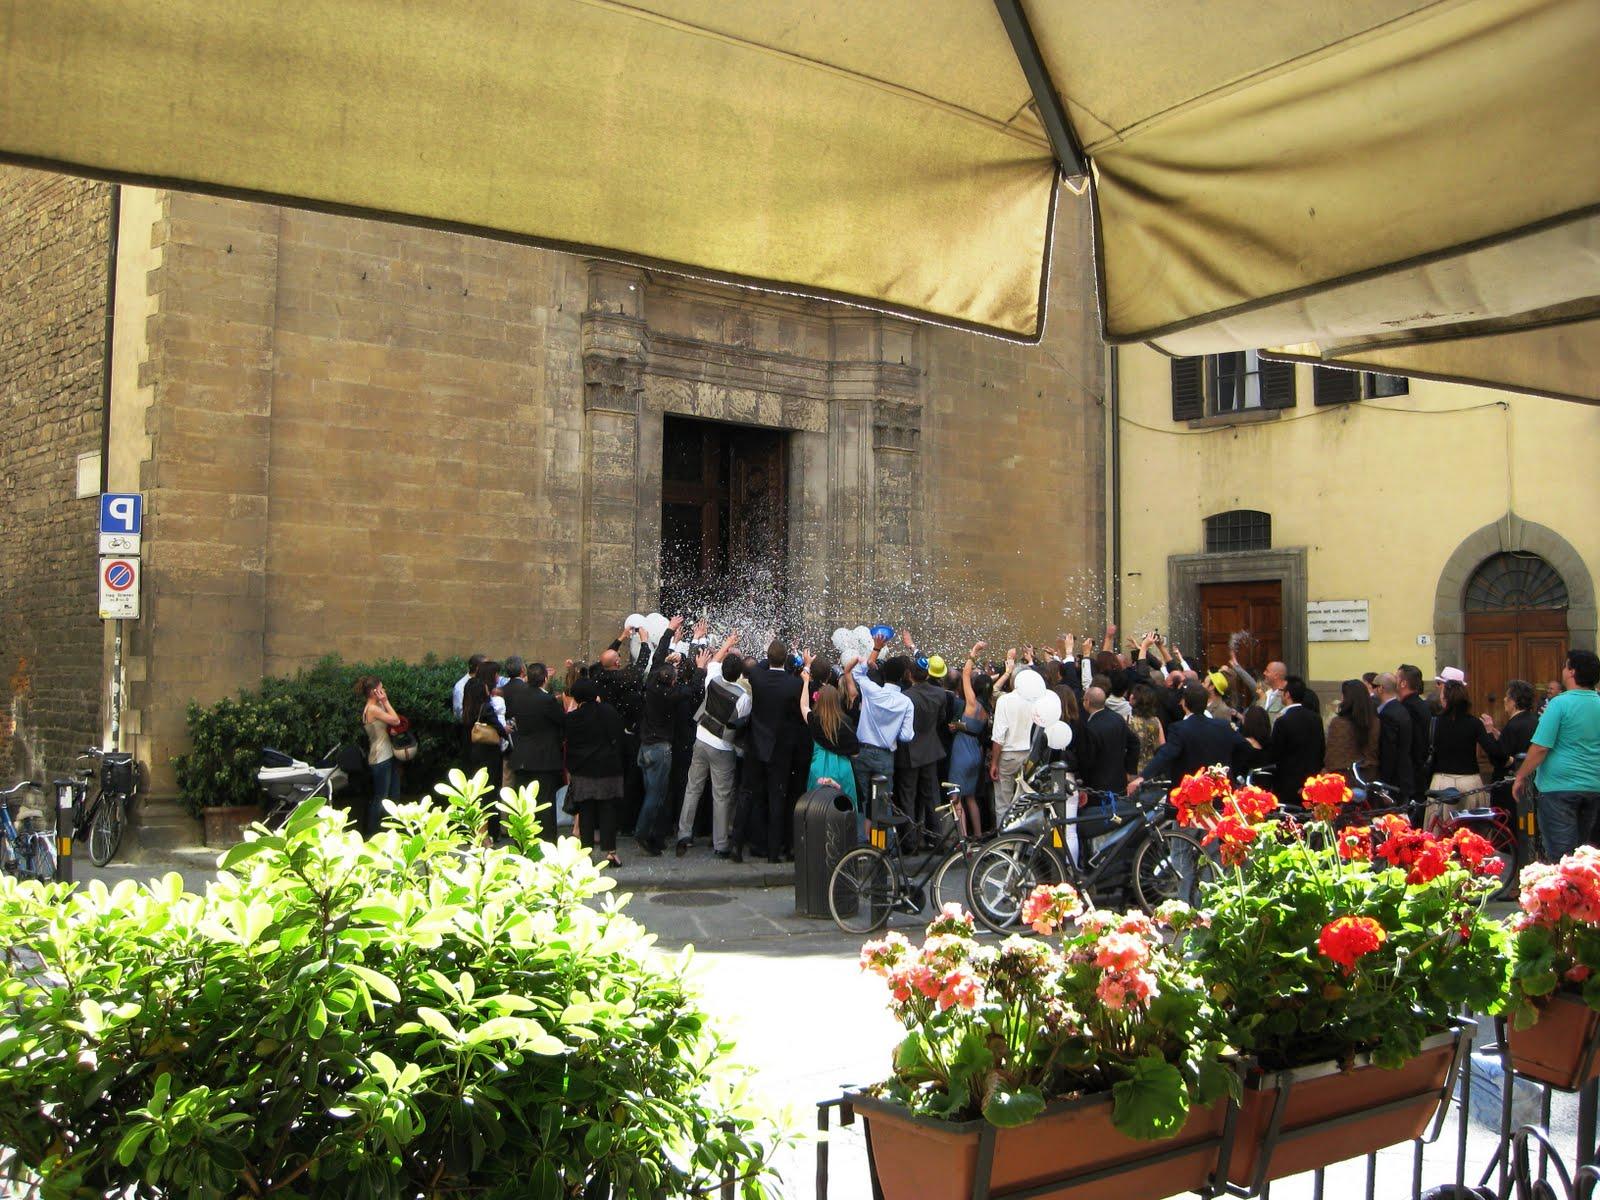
column 119, row 589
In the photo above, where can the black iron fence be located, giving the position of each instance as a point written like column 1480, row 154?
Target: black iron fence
column 1496, row 1136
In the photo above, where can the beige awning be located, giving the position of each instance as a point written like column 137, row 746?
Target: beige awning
column 1261, row 178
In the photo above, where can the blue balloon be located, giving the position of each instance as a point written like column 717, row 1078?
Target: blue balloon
column 922, row 661
column 884, row 631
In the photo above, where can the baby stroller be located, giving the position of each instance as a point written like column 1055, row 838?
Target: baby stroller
column 285, row 781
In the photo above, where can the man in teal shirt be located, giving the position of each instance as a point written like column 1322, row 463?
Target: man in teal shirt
column 1564, row 759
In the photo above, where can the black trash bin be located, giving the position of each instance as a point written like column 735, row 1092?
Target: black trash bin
column 824, row 829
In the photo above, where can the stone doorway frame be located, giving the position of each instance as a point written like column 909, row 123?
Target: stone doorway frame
column 1186, row 572
column 851, row 401
column 1510, row 534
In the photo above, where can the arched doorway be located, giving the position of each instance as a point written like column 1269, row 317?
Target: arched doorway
column 1515, row 607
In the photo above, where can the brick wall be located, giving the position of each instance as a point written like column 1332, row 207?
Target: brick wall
column 53, row 261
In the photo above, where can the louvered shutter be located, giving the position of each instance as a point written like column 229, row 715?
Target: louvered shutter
column 1332, row 386
column 1277, row 384
column 1188, row 389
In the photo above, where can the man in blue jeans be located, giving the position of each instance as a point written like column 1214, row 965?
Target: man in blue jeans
column 1564, row 760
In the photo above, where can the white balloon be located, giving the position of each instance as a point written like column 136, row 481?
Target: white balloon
column 656, row 625
column 1058, row 735
column 636, row 620
column 1047, row 709
column 1029, row 684
column 863, row 634
column 844, row 641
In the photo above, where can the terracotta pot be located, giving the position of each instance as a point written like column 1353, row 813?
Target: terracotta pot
column 1559, row 1048
column 918, row 1158
column 225, row 823
column 1330, row 1114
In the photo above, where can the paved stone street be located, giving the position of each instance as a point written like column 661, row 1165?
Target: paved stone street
column 788, row 990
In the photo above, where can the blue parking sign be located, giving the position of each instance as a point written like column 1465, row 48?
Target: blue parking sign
column 121, row 512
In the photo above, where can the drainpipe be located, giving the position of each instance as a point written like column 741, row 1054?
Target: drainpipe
column 1115, row 483
column 105, row 439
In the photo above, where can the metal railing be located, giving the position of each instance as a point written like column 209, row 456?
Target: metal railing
column 1518, row 1159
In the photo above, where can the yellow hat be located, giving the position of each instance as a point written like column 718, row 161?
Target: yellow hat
column 936, row 667
column 1219, row 681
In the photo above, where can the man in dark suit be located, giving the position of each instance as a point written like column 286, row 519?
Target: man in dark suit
column 1409, row 680
column 916, row 771
column 1394, row 737
column 536, row 743
column 1196, row 741
column 1297, row 744
column 1110, row 752
column 775, row 728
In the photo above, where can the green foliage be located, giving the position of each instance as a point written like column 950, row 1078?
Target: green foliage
column 1265, row 954
column 1555, row 944
column 309, row 713
column 414, row 1016
column 1002, row 1031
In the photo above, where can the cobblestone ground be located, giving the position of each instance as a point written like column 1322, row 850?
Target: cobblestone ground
column 788, row 989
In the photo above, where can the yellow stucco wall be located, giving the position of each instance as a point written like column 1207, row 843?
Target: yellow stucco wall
column 1380, row 493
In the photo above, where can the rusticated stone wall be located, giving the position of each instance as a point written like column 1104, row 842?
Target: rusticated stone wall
column 53, row 264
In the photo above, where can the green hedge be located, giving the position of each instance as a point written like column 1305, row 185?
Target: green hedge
column 308, row 714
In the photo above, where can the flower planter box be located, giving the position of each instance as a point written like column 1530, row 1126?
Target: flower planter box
column 1071, row 1152
column 1313, row 1116
column 225, row 823
column 1559, row 1048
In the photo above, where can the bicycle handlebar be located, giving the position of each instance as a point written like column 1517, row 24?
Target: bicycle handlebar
column 27, row 785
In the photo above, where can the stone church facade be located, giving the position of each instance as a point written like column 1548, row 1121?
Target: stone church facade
column 373, row 440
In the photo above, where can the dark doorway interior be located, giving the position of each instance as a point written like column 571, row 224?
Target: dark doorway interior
column 724, row 518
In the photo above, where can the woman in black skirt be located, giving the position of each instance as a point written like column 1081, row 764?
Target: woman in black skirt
column 594, row 763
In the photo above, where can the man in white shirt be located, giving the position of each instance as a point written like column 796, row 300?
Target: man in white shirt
column 1276, row 677
column 1012, row 739
column 722, row 714
column 458, row 694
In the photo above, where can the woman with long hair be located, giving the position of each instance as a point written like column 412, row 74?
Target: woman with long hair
column 1457, row 737
column 1146, row 723
column 966, row 748
column 1353, row 733
column 481, row 705
column 378, row 718
column 595, row 765
column 833, row 741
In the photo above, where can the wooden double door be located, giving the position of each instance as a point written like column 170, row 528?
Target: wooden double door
column 1253, row 611
column 1528, row 644
column 724, row 512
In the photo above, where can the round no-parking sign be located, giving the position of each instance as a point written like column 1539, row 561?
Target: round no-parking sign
column 119, row 589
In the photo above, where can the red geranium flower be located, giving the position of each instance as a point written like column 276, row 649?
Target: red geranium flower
column 1254, row 803
column 1477, row 853
column 1355, row 845
column 1346, row 939
column 1325, row 795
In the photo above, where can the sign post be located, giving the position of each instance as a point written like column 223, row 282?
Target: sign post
column 121, row 538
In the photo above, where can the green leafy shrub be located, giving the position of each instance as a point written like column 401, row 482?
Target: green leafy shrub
column 413, row 1016
column 309, row 713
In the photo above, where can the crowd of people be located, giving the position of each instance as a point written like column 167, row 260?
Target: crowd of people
column 638, row 738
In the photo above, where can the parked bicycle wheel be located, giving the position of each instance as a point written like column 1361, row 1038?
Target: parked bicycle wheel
column 1170, row 864
column 105, row 830
column 1504, row 840
column 949, row 884
column 863, row 891
column 1004, row 873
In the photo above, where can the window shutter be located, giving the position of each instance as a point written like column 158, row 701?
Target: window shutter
column 1332, row 386
column 1277, row 384
column 1188, row 389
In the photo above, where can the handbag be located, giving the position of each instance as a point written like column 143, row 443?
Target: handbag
column 483, row 733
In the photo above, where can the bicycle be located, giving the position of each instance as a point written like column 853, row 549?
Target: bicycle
column 98, row 822
column 1489, row 822
column 29, row 854
column 871, row 883
column 1142, row 852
